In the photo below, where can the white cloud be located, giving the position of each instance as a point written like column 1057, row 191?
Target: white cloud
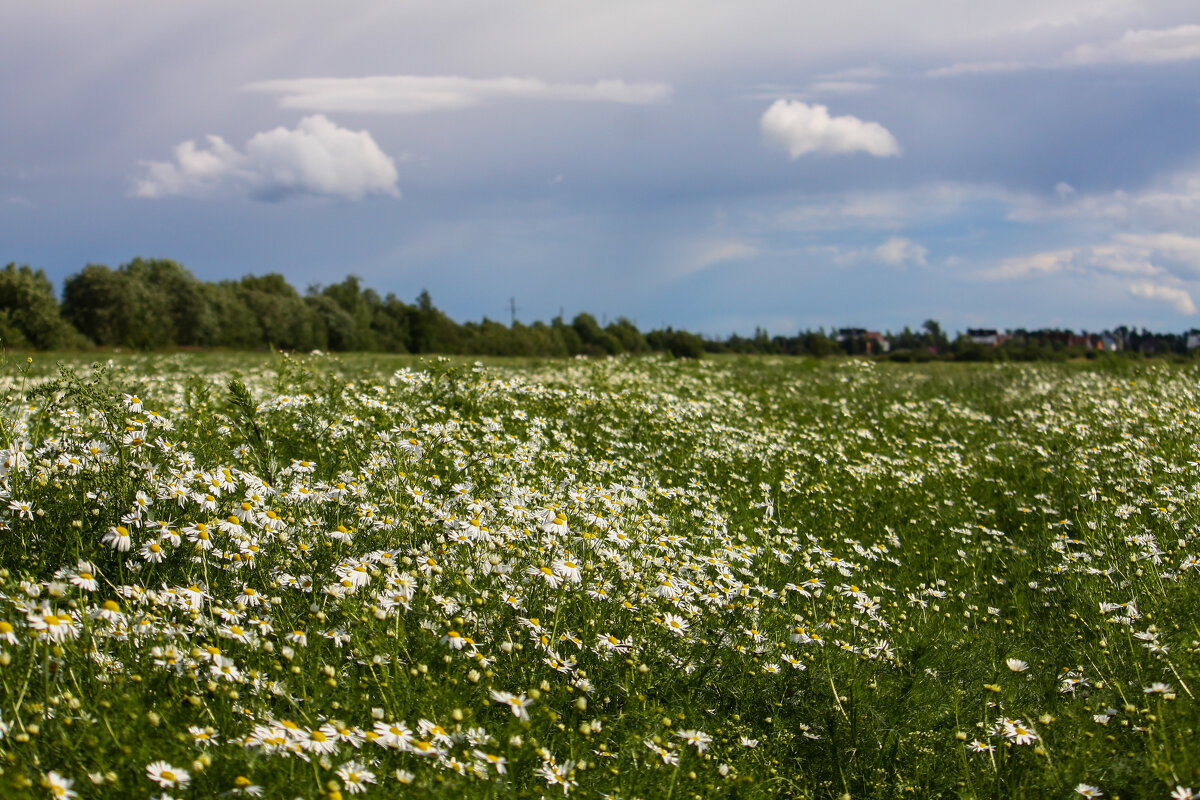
column 800, row 129
column 898, row 251
column 418, row 94
column 889, row 209
column 702, row 255
column 841, row 87
column 717, row 252
column 1176, row 297
column 1180, row 252
column 1161, row 46
column 978, row 68
column 1044, row 263
column 1181, row 43
column 1148, row 254
column 318, row 157
column 868, row 73
column 1169, row 204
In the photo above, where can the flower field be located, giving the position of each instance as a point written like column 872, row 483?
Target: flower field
column 314, row 577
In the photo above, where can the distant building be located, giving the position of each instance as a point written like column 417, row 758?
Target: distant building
column 1084, row 341
column 1193, row 339
column 872, row 341
column 989, row 337
column 1107, row 342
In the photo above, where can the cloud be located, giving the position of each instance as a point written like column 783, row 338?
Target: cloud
column 979, row 68
column 420, row 94
column 1148, row 254
column 1181, row 43
column 716, row 252
column 841, row 87
column 318, row 157
column 1044, row 263
column 898, row 251
column 868, row 73
column 706, row 254
column 1162, row 46
column 1177, row 253
column 891, row 209
column 1170, row 203
column 1176, row 297
column 800, row 129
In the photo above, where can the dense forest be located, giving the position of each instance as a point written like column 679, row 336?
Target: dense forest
column 160, row 304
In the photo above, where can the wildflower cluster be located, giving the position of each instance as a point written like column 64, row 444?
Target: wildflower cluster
column 597, row 578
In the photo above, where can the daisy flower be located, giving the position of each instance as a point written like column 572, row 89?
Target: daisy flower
column 699, row 739
column 355, row 777
column 518, row 703
column 23, row 508
column 118, row 539
column 167, row 776
column 58, row 785
column 1017, row 731
column 395, row 735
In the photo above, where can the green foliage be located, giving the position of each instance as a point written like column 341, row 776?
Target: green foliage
column 192, row 319
column 144, row 304
column 284, row 319
column 594, row 340
column 158, row 303
column 729, row 578
column 680, row 344
column 245, row 415
column 29, row 313
column 628, row 336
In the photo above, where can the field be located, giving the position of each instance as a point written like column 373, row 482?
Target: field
column 314, row 577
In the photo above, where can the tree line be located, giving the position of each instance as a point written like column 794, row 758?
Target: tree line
column 159, row 303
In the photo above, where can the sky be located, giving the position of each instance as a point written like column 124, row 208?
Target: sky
column 714, row 166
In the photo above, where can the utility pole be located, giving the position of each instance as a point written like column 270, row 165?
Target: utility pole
column 512, row 306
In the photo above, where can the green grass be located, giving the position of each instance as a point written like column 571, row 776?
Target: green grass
column 737, row 578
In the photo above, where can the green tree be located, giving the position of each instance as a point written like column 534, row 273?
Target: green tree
column 596, row 341
column 627, row 334
column 29, row 313
column 571, row 343
column 192, row 318
column 680, row 344
column 236, row 326
column 340, row 333
column 933, row 335
column 284, row 319
column 360, row 306
column 432, row 331
column 112, row 309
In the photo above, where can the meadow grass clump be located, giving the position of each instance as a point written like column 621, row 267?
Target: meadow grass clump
column 636, row 578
